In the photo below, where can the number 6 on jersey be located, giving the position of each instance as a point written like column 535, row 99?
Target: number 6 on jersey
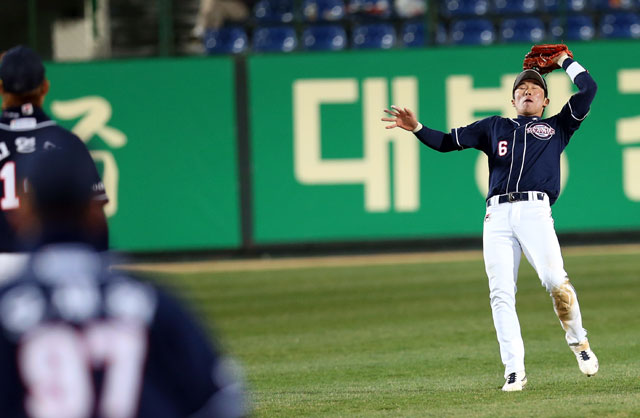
column 502, row 148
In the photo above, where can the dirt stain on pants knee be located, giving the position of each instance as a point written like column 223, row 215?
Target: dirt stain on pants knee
column 564, row 298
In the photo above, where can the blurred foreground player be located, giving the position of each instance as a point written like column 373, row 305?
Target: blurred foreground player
column 78, row 340
column 25, row 131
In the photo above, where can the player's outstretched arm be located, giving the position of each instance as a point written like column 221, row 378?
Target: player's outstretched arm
column 401, row 118
column 579, row 103
column 405, row 118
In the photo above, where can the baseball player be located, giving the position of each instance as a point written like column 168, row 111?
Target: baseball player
column 79, row 340
column 524, row 181
column 25, row 131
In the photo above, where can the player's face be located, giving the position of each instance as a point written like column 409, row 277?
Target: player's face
column 528, row 99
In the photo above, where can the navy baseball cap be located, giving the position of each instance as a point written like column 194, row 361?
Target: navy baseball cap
column 57, row 179
column 21, row 70
column 532, row 75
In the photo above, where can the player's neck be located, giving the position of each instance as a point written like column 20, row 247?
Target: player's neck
column 12, row 100
column 536, row 115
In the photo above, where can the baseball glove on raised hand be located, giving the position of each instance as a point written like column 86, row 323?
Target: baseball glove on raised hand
column 542, row 57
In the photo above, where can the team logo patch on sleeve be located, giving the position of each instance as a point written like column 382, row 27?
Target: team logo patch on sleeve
column 541, row 130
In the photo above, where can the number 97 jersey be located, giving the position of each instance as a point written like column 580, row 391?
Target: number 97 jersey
column 77, row 340
column 24, row 132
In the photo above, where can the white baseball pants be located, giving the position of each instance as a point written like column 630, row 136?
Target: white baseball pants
column 509, row 230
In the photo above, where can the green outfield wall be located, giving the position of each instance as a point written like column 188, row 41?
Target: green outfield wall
column 318, row 144
column 310, row 160
column 163, row 132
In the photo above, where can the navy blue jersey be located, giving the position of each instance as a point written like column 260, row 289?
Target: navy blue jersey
column 79, row 340
column 524, row 153
column 24, row 132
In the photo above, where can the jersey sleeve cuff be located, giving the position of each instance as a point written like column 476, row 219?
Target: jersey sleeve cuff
column 573, row 69
column 567, row 62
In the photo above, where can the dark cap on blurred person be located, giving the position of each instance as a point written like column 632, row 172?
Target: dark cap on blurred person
column 59, row 200
column 21, row 70
column 57, row 182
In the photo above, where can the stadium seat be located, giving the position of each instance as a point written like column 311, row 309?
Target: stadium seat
column 324, row 38
column 620, row 25
column 549, row 5
column 408, row 9
column 576, row 6
column 453, row 8
column 515, row 6
column 370, row 8
column 374, row 35
column 273, row 11
column 613, row 5
column 472, row 32
column 413, row 34
column 576, row 28
column 522, row 29
column 231, row 40
column 274, row 39
column 442, row 36
column 323, row 10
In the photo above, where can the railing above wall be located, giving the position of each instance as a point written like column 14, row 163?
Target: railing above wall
column 147, row 28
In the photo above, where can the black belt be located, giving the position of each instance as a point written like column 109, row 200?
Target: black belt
column 516, row 197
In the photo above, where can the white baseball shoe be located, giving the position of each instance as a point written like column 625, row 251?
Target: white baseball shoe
column 515, row 382
column 587, row 360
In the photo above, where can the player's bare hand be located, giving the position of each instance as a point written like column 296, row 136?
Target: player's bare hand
column 401, row 118
column 560, row 58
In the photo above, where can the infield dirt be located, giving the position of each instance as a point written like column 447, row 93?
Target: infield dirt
column 351, row 260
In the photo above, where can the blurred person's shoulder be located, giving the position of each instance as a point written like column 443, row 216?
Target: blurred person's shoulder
column 69, row 283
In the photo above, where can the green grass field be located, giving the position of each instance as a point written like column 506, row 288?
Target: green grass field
column 418, row 339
